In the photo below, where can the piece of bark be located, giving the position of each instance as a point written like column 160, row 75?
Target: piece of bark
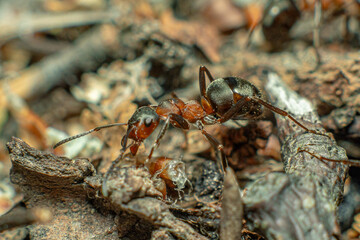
column 295, row 140
column 45, row 170
column 131, row 190
column 71, row 190
column 57, row 183
column 302, row 203
column 205, row 219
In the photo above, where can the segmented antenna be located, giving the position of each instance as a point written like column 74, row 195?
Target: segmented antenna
column 86, row 133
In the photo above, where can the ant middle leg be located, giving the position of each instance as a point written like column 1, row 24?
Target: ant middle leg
column 216, row 145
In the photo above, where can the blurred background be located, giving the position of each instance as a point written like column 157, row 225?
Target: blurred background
column 67, row 66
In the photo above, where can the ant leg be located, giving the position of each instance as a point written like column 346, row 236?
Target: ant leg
column 86, row 133
column 177, row 121
column 234, row 109
column 351, row 162
column 176, row 99
column 285, row 114
column 115, row 162
column 202, row 80
column 202, row 83
column 186, row 139
column 174, row 95
column 158, row 138
column 216, row 145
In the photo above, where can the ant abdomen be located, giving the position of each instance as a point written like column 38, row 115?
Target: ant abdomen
column 224, row 93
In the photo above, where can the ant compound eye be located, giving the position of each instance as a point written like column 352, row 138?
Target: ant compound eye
column 148, row 122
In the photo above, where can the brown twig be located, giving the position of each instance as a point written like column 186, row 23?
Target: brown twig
column 35, row 22
column 20, row 216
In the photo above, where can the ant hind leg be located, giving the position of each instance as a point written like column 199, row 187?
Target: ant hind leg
column 351, row 162
column 286, row 114
column 202, row 80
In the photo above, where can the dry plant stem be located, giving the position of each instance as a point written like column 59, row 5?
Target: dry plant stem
column 86, row 53
column 32, row 23
column 302, row 203
column 232, row 208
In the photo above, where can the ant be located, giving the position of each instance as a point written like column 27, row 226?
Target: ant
column 224, row 99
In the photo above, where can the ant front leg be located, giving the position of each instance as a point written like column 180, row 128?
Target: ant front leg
column 158, row 138
column 115, row 162
column 177, row 121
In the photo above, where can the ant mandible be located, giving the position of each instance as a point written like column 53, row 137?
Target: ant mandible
column 222, row 100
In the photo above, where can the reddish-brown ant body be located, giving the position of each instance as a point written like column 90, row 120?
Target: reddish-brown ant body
column 222, row 100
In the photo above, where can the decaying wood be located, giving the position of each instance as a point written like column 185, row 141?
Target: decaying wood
column 71, row 189
column 301, row 203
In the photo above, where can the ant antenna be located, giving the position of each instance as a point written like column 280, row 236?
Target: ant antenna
column 86, row 133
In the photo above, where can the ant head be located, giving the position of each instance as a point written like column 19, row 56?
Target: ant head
column 142, row 123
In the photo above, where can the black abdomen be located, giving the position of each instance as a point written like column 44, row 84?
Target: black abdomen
column 223, row 93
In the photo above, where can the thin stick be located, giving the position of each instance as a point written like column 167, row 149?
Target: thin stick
column 93, row 46
column 42, row 22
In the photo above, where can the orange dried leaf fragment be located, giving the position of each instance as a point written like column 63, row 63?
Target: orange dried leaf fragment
column 224, row 15
column 201, row 34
